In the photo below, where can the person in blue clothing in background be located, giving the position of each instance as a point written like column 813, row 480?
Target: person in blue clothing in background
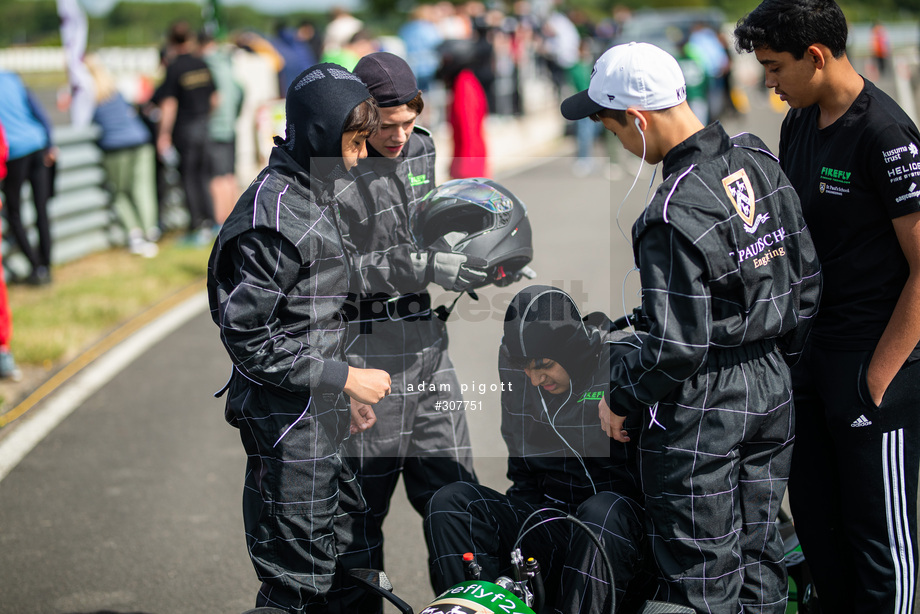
column 129, row 158
column 293, row 45
column 422, row 37
column 32, row 156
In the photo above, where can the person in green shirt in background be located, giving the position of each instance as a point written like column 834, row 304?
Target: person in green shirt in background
column 586, row 131
column 359, row 45
column 221, row 153
column 693, row 65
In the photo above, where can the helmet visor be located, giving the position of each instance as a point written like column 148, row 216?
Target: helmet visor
column 480, row 194
column 465, row 206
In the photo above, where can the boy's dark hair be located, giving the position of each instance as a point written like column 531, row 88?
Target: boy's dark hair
column 416, row 104
column 617, row 115
column 365, row 118
column 180, row 32
column 792, row 26
column 519, row 362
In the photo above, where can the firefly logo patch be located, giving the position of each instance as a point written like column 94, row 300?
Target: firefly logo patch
column 415, row 180
column 595, row 395
column 741, row 193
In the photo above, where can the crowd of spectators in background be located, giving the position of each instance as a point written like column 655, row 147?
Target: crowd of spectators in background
column 501, row 49
column 471, row 60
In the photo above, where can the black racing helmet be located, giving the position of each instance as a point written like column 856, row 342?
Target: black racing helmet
column 479, row 218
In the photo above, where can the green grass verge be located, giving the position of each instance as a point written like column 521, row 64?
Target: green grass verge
column 93, row 296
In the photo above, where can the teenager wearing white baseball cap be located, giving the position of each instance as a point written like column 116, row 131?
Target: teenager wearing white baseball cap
column 635, row 79
column 729, row 283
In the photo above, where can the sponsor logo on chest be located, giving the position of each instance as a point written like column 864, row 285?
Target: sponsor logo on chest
column 416, row 180
column 835, row 175
column 595, row 395
column 741, row 194
column 834, row 182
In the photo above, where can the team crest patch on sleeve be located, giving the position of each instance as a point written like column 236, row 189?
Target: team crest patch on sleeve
column 741, row 193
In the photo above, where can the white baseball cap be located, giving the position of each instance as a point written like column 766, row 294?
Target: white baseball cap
column 638, row 75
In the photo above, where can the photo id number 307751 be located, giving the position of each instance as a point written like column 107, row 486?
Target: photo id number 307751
column 458, row 405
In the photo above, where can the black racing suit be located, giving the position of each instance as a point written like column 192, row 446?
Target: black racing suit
column 393, row 328
column 730, row 282
column 560, row 461
column 277, row 285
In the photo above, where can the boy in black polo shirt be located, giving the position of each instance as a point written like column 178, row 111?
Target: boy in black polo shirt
column 186, row 98
column 729, row 282
column 852, row 155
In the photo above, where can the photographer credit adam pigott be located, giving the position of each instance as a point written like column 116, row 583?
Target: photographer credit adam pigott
column 472, row 387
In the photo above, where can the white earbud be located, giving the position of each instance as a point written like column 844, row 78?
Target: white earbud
column 638, row 125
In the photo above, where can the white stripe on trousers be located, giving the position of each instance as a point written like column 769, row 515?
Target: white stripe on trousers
column 899, row 539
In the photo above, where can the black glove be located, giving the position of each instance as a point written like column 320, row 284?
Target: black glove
column 457, row 272
column 471, row 276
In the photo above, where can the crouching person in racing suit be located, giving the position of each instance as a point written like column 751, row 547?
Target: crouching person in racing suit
column 554, row 367
column 393, row 327
column 277, row 284
column 730, row 282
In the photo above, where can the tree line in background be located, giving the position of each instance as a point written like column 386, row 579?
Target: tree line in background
column 35, row 22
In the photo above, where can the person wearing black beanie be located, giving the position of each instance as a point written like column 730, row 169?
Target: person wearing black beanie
column 414, row 437
column 554, row 366
column 277, row 286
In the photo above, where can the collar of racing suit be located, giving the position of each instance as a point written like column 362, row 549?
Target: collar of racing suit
column 708, row 143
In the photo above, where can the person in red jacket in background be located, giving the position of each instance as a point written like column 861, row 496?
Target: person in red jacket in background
column 467, row 111
column 8, row 368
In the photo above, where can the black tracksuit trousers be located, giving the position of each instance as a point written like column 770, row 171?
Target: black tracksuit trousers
column 29, row 168
column 853, row 487
column 191, row 141
column 714, row 460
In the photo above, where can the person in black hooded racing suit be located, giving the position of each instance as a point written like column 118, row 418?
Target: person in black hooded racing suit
column 394, row 327
column 277, row 286
column 554, row 367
